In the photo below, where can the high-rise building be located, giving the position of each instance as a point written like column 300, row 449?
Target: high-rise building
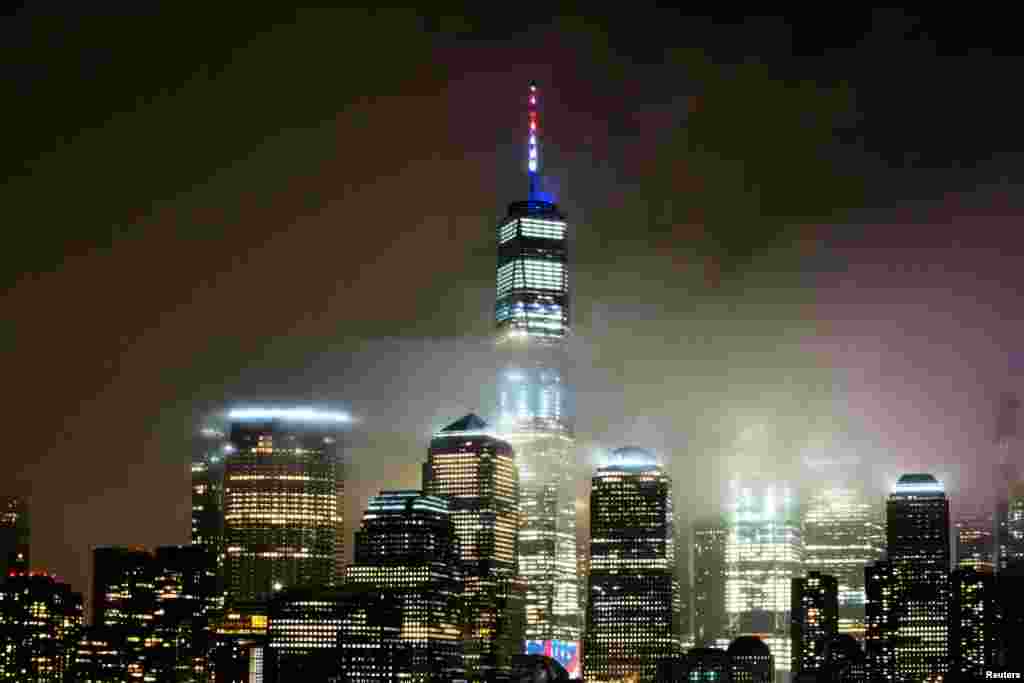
column 123, row 587
column 917, row 524
column 180, row 639
column 710, row 623
column 973, row 623
column 282, row 500
column 408, row 545
column 880, row 587
column 41, row 621
column 815, row 615
column 14, row 536
column 209, row 450
column 477, row 473
column 532, row 316
column 1008, row 447
column 154, row 609
column 764, row 553
column 633, row 615
column 371, row 631
column 1013, row 526
column 843, row 532
column 975, row 546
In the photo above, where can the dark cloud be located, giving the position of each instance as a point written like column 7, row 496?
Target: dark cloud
column 778, row 231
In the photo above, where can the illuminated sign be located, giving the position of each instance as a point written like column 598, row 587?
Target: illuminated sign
column 565, row 652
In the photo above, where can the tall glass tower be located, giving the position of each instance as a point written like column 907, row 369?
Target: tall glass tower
column 918, row 549
column 633, row 620
column 763, row 554
column 534, row 414
column 843, row 532
column 282, row 492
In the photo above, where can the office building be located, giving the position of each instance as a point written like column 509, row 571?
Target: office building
column 477, row 473
column 180, row 639
column 843, row 533
column 633, row 618
column 14, row 536
column 371, row 628
column 153, row 609
column 698, row 664
column 880, row 621
column 407, row 545
column 41, row 621
column 240, row 643
column 751, row 660
column 209, row 450
column 917, row 523
column 533, row 322
column 764, row 553
column 1008, row 546
column 973, row 623
column 282, row 500
column 710, row 623
column 975, row 545
column 815, row 615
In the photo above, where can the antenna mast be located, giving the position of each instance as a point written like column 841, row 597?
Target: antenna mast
column 533, row 145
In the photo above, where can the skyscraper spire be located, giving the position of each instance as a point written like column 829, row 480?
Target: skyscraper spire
column 533, row 143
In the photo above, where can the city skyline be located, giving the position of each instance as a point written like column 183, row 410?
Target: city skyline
column 751, row 293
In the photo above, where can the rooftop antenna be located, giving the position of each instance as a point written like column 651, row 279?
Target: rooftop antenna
column 533, row 145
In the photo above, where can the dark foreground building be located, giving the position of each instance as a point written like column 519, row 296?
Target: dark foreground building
column 633, row 615
column 41, row 621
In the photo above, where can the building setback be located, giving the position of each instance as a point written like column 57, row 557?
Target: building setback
column 633, row 618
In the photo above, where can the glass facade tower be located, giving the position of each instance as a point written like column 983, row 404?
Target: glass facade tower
column 282, row 493
column 917, row 525
column 532, row 316
column 764, row 553
column 844, row 532
column 477, row 473
column 633, row 615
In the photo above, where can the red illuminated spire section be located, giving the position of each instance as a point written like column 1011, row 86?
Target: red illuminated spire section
column 533, row 144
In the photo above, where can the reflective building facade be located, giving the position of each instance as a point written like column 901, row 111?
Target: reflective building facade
column 764, row 553
column 633, row 615
column 844, row 532
column 282, row 501
column 532, row 318
column 477, row 474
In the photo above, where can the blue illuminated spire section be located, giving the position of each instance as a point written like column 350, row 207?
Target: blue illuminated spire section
column 533, row 143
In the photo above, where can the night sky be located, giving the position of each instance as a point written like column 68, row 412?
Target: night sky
column 795, row 239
